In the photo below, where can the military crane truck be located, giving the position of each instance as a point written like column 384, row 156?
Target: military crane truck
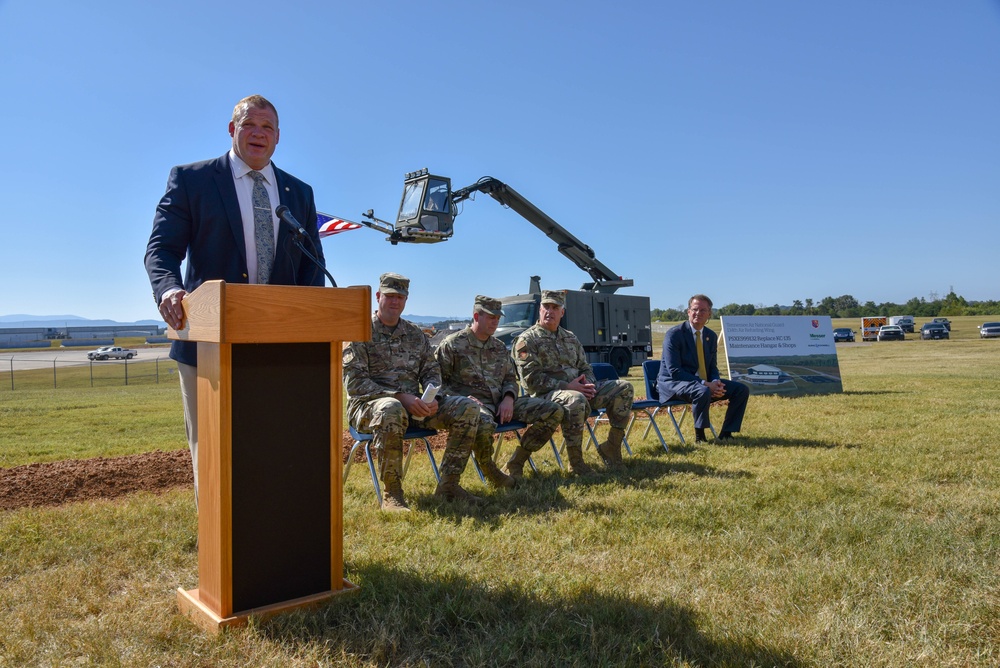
column 613, row 328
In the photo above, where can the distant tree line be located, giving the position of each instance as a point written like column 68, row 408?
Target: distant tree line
column 847, row 306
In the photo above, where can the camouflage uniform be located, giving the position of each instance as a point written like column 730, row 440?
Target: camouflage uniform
column 400, row 360
column 549, row 361
column 485, row 371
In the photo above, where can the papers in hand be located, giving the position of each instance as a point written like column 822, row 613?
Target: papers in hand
column 430, row 392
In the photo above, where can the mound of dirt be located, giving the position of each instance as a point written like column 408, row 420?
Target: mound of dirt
column 82, row 479
column 72, row 480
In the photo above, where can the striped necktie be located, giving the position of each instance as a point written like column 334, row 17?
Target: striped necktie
column 263, row 228
column 702, row 369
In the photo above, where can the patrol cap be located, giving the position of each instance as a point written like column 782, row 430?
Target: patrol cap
column 393, row 284
column 557, row 297
column 488, row 305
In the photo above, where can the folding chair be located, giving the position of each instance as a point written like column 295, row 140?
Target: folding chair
column 650, row 370
column 602, row 371
column 502, row 429
column 412, row 434
column 531, row 462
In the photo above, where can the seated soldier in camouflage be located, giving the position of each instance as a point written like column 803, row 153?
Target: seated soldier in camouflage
column 474, row 363
column 384, row 378
column 553, row 365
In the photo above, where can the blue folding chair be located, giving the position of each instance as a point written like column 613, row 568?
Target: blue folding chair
column 531, row 462
column 412, row 434
column 512, row 426
column 602, row 371
column 650, row 370
column 651, row 404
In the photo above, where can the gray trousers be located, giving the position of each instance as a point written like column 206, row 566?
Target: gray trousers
column 189, row 397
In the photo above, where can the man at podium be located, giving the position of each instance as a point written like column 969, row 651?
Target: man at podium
column 220, row 215
column 384, row 378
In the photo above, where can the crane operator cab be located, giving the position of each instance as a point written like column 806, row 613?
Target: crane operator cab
column 426, row 212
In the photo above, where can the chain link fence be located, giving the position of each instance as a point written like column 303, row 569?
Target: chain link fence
column 27, row 372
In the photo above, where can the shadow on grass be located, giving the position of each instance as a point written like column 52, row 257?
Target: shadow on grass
column 537, row 497
column 545, row 492
column 867, row 393
column 645, row 470
column 739, row 441
column 770, row 442
column 541, row 490
column 539, row 493
column 406, row 618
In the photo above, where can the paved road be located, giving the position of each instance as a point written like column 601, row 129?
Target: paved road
column 44, row 359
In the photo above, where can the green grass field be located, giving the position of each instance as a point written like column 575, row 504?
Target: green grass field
column 856, row 529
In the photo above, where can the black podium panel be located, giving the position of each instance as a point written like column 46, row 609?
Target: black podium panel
column 280, row 472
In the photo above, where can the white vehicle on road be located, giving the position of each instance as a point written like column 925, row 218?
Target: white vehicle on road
column 112, row 353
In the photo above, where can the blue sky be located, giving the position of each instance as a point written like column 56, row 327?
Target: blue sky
column 759, row 152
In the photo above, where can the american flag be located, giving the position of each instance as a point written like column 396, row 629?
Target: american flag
column 330, row 225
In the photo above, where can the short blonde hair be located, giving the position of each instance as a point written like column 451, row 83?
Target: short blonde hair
column 252, row 102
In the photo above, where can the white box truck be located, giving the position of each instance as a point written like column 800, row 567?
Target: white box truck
column 905, row 322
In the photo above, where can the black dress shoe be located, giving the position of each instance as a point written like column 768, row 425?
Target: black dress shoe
column 699, row 436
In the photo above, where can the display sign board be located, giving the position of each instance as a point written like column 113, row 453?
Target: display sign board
column 790, row 355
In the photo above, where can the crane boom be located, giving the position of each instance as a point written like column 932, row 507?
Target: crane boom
column 578, row 252
column 612, row 328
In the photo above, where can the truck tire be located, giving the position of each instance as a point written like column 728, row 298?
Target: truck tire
column 621, row 360
column 129, row 356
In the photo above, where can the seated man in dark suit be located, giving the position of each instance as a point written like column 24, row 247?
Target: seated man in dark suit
column 690, row 374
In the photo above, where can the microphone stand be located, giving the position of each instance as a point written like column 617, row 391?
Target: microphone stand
column 297, row 240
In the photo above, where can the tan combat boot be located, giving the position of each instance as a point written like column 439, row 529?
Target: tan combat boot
column 576, row 463
column 611, row 449
column 390, row 468
column 452, row 491
column 495, row 476
column 515, row 465
column 392, row 499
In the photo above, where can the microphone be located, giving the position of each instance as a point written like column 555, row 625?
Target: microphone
column 286, row 216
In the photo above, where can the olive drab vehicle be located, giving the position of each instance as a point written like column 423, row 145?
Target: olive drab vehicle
column 613, row 328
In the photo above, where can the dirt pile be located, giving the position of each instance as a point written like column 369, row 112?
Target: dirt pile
column 72, row 480
column 82, row 479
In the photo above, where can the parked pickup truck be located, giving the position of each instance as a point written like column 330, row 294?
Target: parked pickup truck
column 112, row 353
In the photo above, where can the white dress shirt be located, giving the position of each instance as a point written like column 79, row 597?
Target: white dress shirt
column 244, row 192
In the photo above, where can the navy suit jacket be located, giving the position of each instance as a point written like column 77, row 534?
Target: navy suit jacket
column 680, row 359
column 199, row 217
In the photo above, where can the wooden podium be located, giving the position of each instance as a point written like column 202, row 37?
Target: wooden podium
column 270, row 487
